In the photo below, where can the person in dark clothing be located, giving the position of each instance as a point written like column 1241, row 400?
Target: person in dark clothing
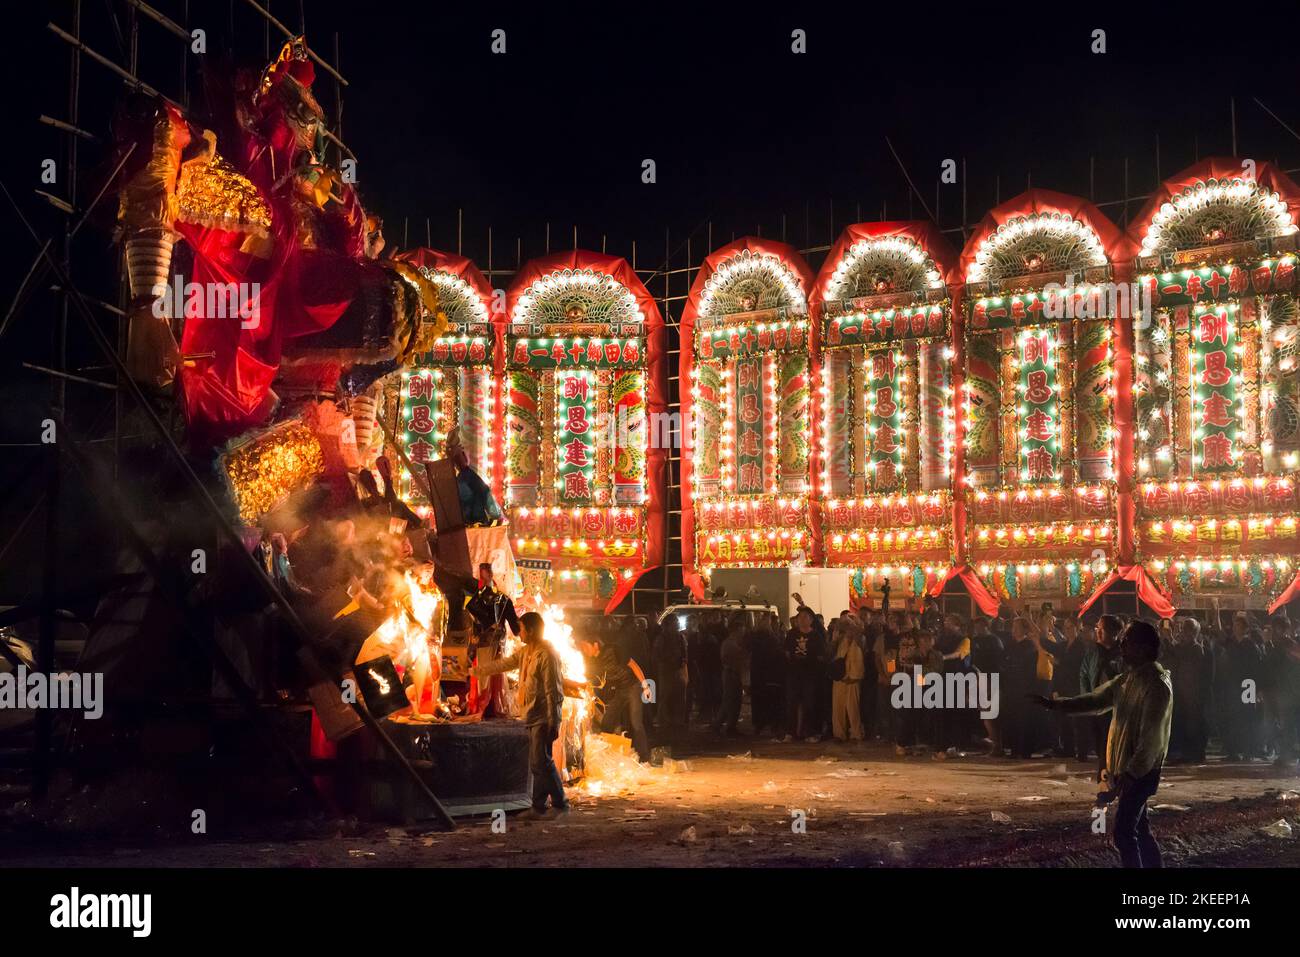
column 873, row 631
column 1019, row 679
column 621, row 686
column 986, row 653
column 921, row 727
column 1073, row 734
column 889, row 648
column 706, row 668
column 1139, row 703
column 953, row 644
column 1239, row 660
column 735, row 656
column 805, row 655
column 489, row 605
column 670, row 661
column 767, row 676
column 541, row 701
column 1191, row 667
column 1284, row 665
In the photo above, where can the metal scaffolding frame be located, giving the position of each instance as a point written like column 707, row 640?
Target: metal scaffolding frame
column 60, row 264
column 669, row 279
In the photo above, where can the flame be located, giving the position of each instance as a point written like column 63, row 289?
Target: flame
column 559, row 635
column 411, row 634
column 573, row 666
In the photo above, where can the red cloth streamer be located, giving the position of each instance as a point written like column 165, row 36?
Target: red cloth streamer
column 1291, row 594
column 625, row 586
column 1147, row 589
column 686, row 362
column 988, row 602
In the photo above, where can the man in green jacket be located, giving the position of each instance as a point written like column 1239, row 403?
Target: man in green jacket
column 1141, row 703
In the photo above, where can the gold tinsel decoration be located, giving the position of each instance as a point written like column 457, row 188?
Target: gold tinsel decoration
column 212, row 193
column 264, row 470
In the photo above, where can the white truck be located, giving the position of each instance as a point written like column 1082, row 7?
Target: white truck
column 824, row 590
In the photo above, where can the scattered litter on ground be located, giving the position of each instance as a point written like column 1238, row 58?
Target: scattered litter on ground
column 1170, row 807
column 1289, row 796
column 1061, row 769
column 676, row 767
column 743, row 829
column 635, row 815
column 1279, row 828
column 1030, row 798
column 356, row 853
column 747, row 756
column 1058, row 784
column 897, row 851
column 848, row 773
column 999, row 817
column 688, row 835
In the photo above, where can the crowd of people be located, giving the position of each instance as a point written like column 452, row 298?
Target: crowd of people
column 1236, row 680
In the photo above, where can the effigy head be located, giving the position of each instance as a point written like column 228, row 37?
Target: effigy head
column 284, row 96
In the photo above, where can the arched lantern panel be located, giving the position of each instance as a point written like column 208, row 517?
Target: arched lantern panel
column 747, row 379
column 451, row 391
column 583, row 472
column 885, row 422
column 1040, row 306
column 1217, row 382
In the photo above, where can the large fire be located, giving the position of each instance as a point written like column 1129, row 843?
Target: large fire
column 411, row 636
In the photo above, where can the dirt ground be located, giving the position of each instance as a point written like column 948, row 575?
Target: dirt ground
column 741, row 806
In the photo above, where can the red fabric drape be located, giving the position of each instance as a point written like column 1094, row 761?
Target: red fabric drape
column 625, row 586
column 988, row 602
column 792, row 259
column 656, row 372
column 1147, row 589
column 300, row 291
column 1291, row 594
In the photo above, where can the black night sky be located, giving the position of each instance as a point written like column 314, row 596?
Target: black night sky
column 746, row 135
